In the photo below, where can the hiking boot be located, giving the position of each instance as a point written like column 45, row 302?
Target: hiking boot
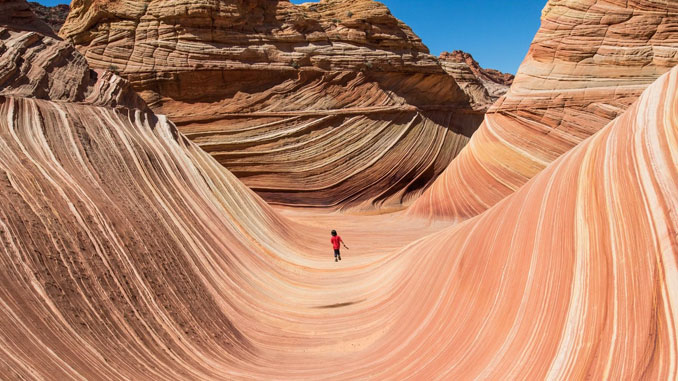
column 335, row 259
column 340, row 257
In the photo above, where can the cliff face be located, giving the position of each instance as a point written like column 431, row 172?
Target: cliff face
column 53, row 16
column 544, row 284
column 96, row 191
column 320, row 104
column 484, row 86
column 127, row 252
column 588, row 62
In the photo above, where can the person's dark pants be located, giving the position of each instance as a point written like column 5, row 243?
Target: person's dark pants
column 337, row 253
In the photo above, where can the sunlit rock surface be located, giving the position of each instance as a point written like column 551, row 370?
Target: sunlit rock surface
column 335, row 103
column 571, row 277
column 129, row 253
column 588, row 62
column 36, row 63
column 484, row 86
column 54, row 16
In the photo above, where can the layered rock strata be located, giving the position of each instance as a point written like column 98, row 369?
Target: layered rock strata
column 53, row 16
column 573, row 276
column 39, row 66
column 588, row 62
column 129, row 253
column 108, row 216
column 333, row 103
column 484, row 86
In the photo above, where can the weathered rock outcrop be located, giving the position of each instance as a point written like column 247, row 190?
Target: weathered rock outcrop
column 571, row 277
column 36, row 63
column 103, row 210
column 588, row 62
column 17, row 15
column 127, row 252
column 53, row 16
column 487, row 76
column 335, row 103
column 484, row 86
column 39, row 66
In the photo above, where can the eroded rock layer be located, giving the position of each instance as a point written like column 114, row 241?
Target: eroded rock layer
column 335, row 103
column 130, row 253
column 53, row 16
column 127, row 252
column 573, row 276
column 484, row 86
column 588, row 62
column 103, row 209
column 36, row 63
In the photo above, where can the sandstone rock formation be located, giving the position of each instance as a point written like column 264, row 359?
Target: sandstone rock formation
column 18, row 15
column 484, row 86
column 36, row 63
column 489, row 77
column 335, row 103
column 571, row 277
column 129, row 253
column 103, row 205
column 39, row 66
column 53, row 16
column 588, row 62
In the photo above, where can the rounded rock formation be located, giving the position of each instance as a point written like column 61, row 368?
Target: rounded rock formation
column 588, row 62
column 335, row 103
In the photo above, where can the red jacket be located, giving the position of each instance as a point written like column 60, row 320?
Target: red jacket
column 336, row 240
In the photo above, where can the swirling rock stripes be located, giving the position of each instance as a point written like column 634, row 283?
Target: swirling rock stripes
column 348, row 159
column 257, row 82
column 127, row 252
column 588, row 62
column 176, row 271
column 104, row 215
column 572, row 276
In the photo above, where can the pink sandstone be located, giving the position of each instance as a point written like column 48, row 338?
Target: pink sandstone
column 335, row 103
column 588, row 62
column 129, row 253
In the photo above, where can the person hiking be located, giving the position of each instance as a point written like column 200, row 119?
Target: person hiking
column 336, row 241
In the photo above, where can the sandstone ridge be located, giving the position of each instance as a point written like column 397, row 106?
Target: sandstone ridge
column 588, row 62
column 484, row 86
column 130, row 253
column 283, row 95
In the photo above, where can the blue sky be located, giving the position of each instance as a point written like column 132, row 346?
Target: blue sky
column 51, row 3
column 496, row 32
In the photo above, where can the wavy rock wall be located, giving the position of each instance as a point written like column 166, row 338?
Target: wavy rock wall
column 129, row 253
column 573, row 276
column 334, row 103
column 588, row 62
column 117, row 232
